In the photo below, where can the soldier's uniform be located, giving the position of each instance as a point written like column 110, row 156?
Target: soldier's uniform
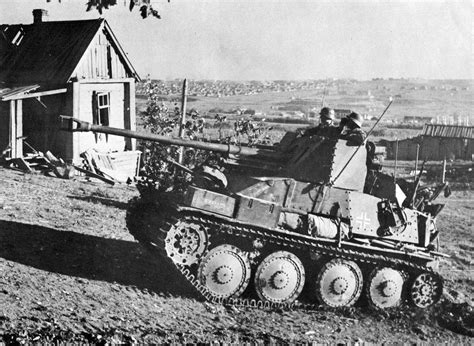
column 350, row 129
column 324, row 130
column 325, row 127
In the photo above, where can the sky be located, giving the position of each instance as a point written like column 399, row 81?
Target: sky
column 284, row 39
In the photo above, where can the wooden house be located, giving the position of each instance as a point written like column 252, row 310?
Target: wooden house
column 448, row 141
column 437, row 142
column 74, row 68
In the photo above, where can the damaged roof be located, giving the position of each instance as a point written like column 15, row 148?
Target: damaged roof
column 448, row 131
column 48, row 52
column 7, row 93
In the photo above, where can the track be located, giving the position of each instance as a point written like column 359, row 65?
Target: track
column 150, row 226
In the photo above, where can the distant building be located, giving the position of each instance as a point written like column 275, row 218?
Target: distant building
column 437, row 142
column 342, row 113
column 417, row 119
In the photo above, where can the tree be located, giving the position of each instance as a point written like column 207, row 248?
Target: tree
column 144, row 6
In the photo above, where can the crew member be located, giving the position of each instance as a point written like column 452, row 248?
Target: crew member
column 326, row 127
column 350, row 129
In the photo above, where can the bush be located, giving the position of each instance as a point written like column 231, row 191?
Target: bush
column 160, row 173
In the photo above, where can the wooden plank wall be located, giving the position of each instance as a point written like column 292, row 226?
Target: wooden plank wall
column 100, row 61
column 433, row 148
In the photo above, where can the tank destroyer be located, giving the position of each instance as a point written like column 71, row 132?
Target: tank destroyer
column 309, row 219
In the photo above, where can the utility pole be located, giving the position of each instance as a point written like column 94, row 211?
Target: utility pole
column 443, row 176
column 416, row 166
column 396, row 163
column 182, row 123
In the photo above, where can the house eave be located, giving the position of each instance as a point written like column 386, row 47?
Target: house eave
column 123, row 55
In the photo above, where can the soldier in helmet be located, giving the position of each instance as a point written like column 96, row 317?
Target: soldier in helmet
column 326, row 126
column 350, row 129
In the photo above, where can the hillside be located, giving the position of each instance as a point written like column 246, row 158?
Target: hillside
column 72, row 272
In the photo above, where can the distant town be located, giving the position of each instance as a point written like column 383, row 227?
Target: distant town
column 304, row 98
column 222, row 88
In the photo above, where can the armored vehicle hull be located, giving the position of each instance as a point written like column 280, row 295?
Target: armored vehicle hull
column 311, row 220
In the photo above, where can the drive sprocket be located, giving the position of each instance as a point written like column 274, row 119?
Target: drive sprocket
column 426, row 289
column 186, row 242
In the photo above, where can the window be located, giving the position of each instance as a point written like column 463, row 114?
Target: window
column 103, row 107
column 100, row 110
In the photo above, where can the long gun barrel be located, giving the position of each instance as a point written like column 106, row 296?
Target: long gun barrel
column 76, row 125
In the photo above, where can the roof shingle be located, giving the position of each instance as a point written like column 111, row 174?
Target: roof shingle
column 449, row 131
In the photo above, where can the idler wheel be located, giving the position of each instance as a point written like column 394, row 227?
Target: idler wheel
column 339, row 283
column 225, row 271
column 280, row 278
column 426, row 290
column 186, row 243
column 385, row 288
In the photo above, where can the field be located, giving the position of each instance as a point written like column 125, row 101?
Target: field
column 71, row 272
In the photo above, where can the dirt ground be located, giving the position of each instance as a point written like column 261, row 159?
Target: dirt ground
column 70, row 271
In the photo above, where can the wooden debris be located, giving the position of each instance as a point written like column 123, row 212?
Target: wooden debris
column 21, row 164
column 42, row 162
column 118, row 166
column 53, row 159
column 88, row 158
column 65, row 171
column 94, row 175
column 5, row 151
column 127, row 162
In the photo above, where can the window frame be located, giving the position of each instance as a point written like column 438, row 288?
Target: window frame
column 101, row 110
column 103, row 117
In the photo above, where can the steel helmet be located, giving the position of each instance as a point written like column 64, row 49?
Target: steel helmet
column 356, row 118
column 327, row 113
